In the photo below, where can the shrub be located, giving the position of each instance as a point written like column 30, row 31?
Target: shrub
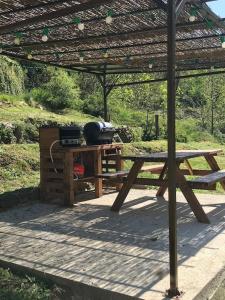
column 11, row 76
column 93, row 105
column 7, row 134
column 188, row 130
column 59, row 93
column 137, row 133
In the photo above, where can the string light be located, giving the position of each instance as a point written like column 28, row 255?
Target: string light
column 81, row 56
column 109, row 18
column 193, row 14
column 222, row 39
column 209, row 23
column 57, row 56
column 29, row 56
column 106, row 53
column 153, row 18
column 79, row 24
column 128, row 59
column 17, row 39
column 45, row 34
column 150, row 63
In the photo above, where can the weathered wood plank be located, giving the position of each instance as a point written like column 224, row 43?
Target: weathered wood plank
column 127, row 186
column 68, row 180
column 210, row 179
column 191, row 198
column 214, row 166
column 98, row 170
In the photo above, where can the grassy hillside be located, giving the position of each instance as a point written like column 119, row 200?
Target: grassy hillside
column 15, row 109
column 19, row 122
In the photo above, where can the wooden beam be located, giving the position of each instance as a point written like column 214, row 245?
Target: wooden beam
column 208, row 13
column 142, row 59
column 148, row 55
column 32, row 6
column 118, row 47
column 180, row 5
column 54, row 14
column 161, row 4
column 94, row 19
column 118, row 85
column 68, row 68
column 114, row 37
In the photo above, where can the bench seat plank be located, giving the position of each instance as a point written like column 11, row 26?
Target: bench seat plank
column 151, row 168
column 210, row 179
column 113, row 174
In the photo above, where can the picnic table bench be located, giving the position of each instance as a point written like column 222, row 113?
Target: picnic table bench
column 207, row 178
column 110, row 175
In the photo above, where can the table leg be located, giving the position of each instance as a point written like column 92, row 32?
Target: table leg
column 98, row 170
column 161, row 191
column 68, row 180
column 119, row 167
column 191, row 198
column 127, row 185
column 189, row 167
column 214, row 166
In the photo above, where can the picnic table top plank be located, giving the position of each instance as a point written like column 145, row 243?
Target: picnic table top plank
column 180, row 155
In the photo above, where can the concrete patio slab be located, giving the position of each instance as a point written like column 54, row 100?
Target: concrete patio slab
column 124, row 255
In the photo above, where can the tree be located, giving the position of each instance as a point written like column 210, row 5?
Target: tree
column 60, row 92
column 11, row 76
column 35, row 74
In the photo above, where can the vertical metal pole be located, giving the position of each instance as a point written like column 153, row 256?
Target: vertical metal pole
column 212, row 105
column 105, row 94
column 171, row 114
column 156, row 126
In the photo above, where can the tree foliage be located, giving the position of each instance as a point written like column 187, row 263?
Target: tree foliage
column 11, row 76
column 200, row 101
column 60, row 92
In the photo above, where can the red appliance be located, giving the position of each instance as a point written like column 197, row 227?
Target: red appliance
column 78, row 170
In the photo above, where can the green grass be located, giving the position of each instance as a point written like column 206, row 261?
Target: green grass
column 14, row 287
column 19, row 167
column 12, row 110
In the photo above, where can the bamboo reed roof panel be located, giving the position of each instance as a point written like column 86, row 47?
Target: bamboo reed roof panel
column 137, row 35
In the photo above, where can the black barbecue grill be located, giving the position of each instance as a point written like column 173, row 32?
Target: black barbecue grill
column 98, row 133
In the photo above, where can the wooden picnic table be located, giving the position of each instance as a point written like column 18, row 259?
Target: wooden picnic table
column 207, row 181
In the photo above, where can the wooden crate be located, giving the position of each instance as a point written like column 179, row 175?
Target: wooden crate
column 57, row 179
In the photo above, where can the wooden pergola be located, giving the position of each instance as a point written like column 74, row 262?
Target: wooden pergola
column 165, row 38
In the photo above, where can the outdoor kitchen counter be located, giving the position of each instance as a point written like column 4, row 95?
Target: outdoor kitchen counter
column 57, row 172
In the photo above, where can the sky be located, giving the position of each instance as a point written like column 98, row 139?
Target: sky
column 218, row 7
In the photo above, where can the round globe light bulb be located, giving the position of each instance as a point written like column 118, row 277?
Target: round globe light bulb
column 29, row 56
column 81, row 26
column 192, row 18
column 44, row 38
column 223, row 45
column 109, row 20
column 17, row 41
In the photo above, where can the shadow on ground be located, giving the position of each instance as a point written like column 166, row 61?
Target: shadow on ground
column 125, row 252
column 18, row 197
